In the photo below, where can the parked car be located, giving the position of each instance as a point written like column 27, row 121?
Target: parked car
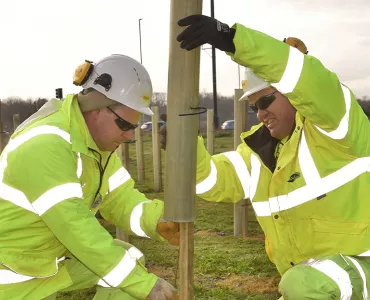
column 147, row 126
column 228, row 125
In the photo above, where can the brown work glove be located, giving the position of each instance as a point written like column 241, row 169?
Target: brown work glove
column 163, row 136
column 162, row 290
column 163, row 132
column 170, row 231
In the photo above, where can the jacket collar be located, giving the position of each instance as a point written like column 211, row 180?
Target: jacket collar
column 259, row 140
column 81, row 138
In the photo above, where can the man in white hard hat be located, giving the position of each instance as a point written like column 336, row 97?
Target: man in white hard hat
column 57, row 171
column 305, row 167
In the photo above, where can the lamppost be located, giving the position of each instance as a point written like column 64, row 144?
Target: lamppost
column 141, row 54
column 141, row 61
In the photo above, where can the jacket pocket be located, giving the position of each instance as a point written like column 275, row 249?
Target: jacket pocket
column 347, row 228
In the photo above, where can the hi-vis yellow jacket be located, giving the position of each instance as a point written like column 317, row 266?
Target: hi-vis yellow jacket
column 315, row 199
column 53, row 179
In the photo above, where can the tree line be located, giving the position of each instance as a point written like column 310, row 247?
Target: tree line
column 26, row 107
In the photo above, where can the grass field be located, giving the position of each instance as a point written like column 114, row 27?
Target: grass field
column 225, row 267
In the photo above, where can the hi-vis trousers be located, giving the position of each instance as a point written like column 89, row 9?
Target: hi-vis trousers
column 334, row 277
column 78, row 277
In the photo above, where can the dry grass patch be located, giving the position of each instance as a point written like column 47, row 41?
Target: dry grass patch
column 250, row 284
column 206, row 233
column 167, row 273
column 257, row 238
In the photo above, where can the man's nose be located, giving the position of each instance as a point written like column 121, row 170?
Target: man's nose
column 129, row 135
column 261, row 114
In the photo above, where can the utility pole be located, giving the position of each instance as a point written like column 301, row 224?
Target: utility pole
column 216, row 120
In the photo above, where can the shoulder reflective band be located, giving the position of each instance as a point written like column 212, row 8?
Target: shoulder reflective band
column 11, row 194
column 56, row 195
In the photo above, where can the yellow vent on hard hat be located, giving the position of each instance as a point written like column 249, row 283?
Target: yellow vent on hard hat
column 296, row 43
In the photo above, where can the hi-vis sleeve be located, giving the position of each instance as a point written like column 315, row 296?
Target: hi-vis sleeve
column 129, row 209
column 223, row 177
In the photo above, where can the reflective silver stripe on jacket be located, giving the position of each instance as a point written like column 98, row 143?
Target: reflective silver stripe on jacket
column 122, row 270
column 292, row 72
column 8, row 276
column 118, row 178
column 290, row 79
column 241, row 170
column 208, row 183
column 342, row 129
column 49, row 198
column 135, row 219
column 336, row 273
column 316, row 186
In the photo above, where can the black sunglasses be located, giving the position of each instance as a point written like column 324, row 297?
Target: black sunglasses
column 123, row 124
column 264, row 102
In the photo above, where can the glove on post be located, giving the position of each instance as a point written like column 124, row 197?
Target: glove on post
column 170, row 231
column 202, row 29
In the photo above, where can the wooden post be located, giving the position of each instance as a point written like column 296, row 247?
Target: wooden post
column 183, row 93
column 241, row 207
column 210, row 132
column 121, row 235
column 126, row 156
column 157, row 162
column 16, row 121
column 140, row 155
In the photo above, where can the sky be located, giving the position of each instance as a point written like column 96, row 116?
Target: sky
column 43, row 41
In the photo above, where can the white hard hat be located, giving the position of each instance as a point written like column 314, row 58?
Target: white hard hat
column 252, row 84
column 119, row 78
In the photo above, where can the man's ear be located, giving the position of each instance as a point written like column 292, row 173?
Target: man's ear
column 91, row 115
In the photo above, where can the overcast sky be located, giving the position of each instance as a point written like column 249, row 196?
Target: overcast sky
column 42, row 41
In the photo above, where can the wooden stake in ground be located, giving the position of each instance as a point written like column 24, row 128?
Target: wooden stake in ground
column 210, row 132
column 241, row 207
column 183, row 93
column 140, row 155
column 157, row 163
column 16, row 121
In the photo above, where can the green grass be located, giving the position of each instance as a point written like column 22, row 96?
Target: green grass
column 225, row 267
